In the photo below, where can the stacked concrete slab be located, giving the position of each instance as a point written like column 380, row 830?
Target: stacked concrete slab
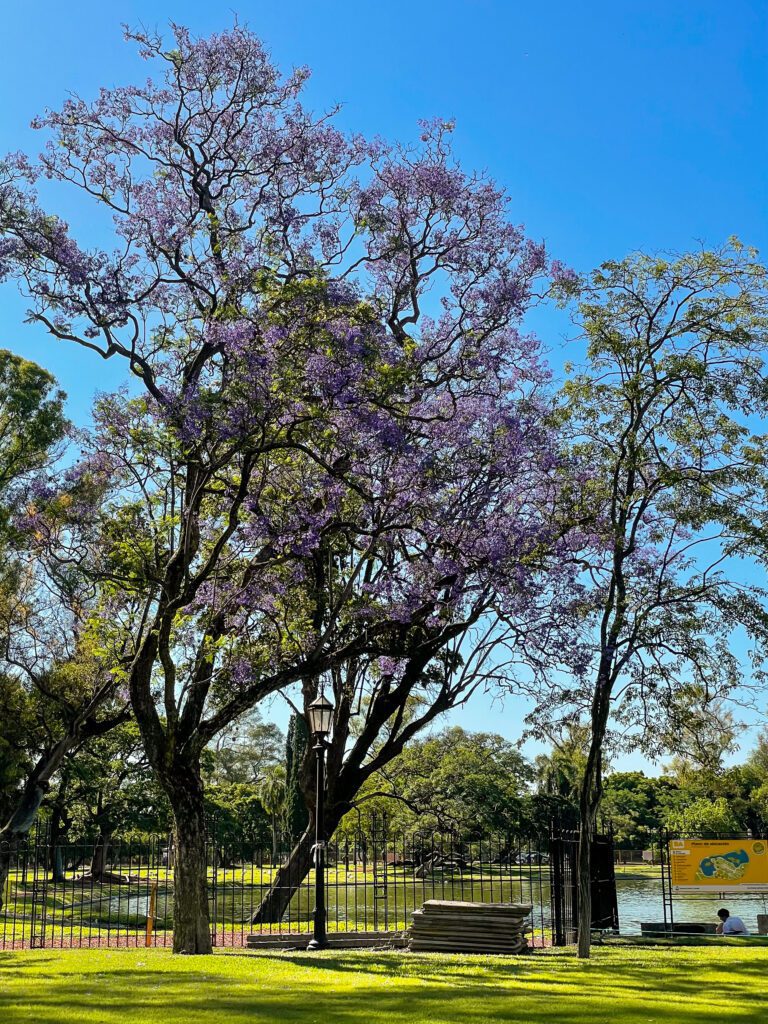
column 453, row 926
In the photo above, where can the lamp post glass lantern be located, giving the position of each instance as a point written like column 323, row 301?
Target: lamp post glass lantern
column 320, row 719
column 320, row 716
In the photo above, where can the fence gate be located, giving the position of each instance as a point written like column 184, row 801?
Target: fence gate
column 564, row 873
column 563, row 866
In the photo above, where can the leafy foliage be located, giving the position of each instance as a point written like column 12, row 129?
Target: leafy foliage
column 296, row 756
column 456, row 782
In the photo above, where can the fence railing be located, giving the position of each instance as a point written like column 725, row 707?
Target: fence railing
column 51, row 898
column 374, row 882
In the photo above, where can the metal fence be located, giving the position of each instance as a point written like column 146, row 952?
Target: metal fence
column 374, row 881
column 564, row 849
column 51, row 897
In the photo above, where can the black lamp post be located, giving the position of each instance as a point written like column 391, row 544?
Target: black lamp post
column 320, row 719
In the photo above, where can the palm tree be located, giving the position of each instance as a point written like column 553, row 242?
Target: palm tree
column 272, row 792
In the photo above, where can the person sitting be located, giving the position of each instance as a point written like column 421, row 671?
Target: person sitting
column 730, row 924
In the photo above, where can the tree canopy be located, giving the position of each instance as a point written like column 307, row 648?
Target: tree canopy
column 337, row 451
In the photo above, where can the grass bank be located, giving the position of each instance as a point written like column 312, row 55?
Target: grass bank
column 621, row 985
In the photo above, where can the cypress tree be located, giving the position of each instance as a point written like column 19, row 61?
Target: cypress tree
column 296, row 813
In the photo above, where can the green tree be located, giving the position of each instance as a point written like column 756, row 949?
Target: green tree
column 660, row 457
column 17, row 741
column 73, row 700
column 559, row 773
column 700, row 730
column 758, row 758
column 32, row 423
column 297, row 770
column 112, row 792
column 636, row 806
column 245, row 752
column 55, row 692
column 703, row 815
column 272, row 793
column 236, row 817
column 469, row 784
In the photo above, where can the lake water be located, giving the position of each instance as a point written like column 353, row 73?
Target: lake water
column 640, row 899
column 124, row 905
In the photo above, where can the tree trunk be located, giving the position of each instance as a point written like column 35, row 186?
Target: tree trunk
column 100, row 852
column 57, row 864
column 191, row 920
column 23, row 816
column 5, row 866
column 35, row 789
column 585, row 881
column 289, row 876
column 589, row 804
column 590, row 796
column 300, row 807
column 286, row 881
column 58, row 826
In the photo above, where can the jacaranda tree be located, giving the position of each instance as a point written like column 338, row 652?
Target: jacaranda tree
column 332, row 446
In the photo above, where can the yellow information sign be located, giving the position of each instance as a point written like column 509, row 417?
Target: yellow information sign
column 720, row 865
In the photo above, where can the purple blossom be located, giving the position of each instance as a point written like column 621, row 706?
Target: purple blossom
column 333, row 390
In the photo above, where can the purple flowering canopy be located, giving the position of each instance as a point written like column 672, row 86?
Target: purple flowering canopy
column 334, row 447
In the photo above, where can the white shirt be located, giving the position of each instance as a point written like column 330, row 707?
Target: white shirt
column 734, row 926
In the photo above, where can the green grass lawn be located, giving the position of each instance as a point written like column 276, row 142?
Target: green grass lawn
column 684, row 985
column 637, row 870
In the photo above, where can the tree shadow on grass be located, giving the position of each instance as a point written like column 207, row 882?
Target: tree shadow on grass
column 384, row 988
column 179, row 1000
column 16, row 962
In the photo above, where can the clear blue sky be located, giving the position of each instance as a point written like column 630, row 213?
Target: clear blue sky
column 613, row 126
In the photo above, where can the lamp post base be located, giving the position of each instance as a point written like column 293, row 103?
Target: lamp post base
column 316, row 944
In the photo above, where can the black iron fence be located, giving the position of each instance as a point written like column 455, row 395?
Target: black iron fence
column 52, row 897
column 63, row 895
column 564, row 850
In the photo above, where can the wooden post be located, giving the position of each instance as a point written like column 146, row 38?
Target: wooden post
column 151, row 912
